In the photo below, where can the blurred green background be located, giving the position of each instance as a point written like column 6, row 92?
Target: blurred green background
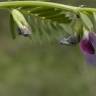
column 33, row 69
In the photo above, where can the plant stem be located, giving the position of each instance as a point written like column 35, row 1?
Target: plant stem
column 16, row 4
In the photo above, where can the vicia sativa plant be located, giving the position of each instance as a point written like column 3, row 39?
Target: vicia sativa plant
column 69, row 25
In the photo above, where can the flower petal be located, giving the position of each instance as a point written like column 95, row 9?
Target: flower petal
column 90, row 58
column 86, row 46
column 92, row 38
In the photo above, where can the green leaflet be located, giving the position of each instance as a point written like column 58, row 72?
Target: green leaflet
column 12, row 27
column 46, row 29
column 94, row 15
column 78, row 28
column 53, row 14
column 94, row 20
column 21, row 22
column 86, row 21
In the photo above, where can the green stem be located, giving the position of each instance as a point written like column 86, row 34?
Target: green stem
column 16, row 4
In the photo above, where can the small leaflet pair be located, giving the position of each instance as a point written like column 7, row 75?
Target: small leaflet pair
column 24, row 28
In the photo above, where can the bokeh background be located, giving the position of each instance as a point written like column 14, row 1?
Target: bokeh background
column 47, row 69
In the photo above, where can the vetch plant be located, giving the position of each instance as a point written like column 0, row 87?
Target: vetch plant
column 69, row 25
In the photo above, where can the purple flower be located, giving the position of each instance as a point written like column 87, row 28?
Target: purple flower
column 87, row 46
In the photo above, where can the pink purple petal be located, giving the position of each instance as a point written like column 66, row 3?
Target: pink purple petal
column 86, row 46
column 90, row 59
column 92, row 38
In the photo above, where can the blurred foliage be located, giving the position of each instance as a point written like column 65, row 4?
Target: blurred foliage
column 30, row 68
